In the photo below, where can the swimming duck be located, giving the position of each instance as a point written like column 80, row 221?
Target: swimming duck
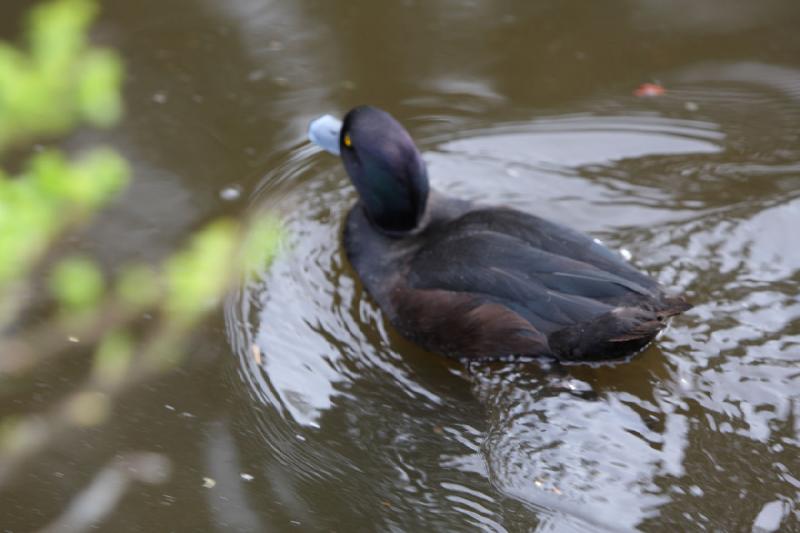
column 481, row 282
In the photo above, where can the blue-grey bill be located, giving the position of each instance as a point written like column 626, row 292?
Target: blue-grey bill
column 324, row 132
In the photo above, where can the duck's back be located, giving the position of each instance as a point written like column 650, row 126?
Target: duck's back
column 491, row 282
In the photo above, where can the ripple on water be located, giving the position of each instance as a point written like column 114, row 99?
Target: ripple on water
column 694, row 197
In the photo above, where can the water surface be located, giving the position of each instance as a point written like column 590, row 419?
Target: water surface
column 339, row 424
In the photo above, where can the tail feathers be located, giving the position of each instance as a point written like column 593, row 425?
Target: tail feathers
column 618, row 333
column 674, row 305
column 650, row 328
column 645, row 330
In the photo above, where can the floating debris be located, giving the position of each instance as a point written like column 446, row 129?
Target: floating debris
column 246, row 477
column 73, row 339
column 256, row 75
column 256, row 351
column 208, row 483
column 230, row 194
column 649, row 90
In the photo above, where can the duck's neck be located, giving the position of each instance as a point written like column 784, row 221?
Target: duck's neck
column 395, row 206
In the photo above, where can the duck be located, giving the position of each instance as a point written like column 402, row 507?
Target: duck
column 481, row 282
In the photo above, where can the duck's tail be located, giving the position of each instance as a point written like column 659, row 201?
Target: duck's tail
column 620, row 332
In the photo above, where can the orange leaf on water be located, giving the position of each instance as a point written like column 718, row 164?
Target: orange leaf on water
column 649, row 90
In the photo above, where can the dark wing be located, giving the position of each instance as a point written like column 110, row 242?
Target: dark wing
column 464, row 325
column 548, row 290
column 544, row 235
column 499, row 282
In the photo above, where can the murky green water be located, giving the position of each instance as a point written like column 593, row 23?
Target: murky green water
column 343, row 426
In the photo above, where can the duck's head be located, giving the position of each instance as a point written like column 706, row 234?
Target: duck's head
column 383, row 163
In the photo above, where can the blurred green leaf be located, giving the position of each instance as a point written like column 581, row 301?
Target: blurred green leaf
column 77, row 284
column 79, row 187
column 57, row 32
column 113, row 358
column 46, row 90
column 61, row 79
column 197, row 276
column 53, row 86
column 99, row 175
column 97, row 90
column 51, row 195
column 261, row 242
column 138, row 287
column 26, row 225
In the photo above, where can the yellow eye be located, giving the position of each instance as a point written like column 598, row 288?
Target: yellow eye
column 347, row 141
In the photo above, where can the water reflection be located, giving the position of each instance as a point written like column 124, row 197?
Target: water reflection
column 584, row 452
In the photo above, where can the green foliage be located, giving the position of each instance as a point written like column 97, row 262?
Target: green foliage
column 197, row 276
column 57, row 84
column 138, row 287
column 60, row 80
column 77, row 188
column 97, row 98
column 77, row 284
column 50, row 196
column 47, row 90
column 261, row 243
